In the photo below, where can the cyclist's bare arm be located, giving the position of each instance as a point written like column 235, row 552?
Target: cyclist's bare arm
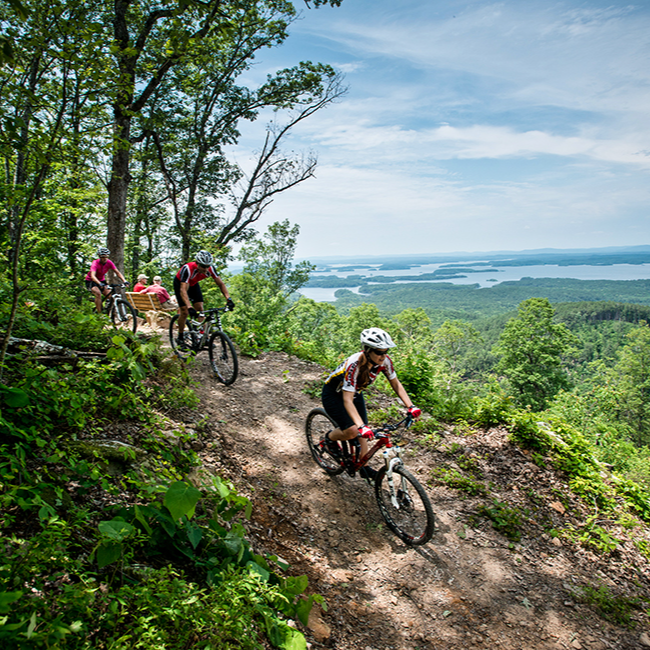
column 222, row 287
column 396, row 385
column 348, row 402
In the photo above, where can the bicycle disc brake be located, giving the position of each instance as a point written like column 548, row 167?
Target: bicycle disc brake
column 405, row 501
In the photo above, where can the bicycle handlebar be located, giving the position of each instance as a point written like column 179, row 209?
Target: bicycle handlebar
column 386, row 429
column 214, row 310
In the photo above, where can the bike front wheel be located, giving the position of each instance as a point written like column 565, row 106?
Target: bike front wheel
column 223, row 358
column 317, row 425
column 123, row 316
column 184, row 346
column 409, row 513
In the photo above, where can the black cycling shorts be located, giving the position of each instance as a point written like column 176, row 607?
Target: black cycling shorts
column 333, row 404
column 194, row 293
column 91, row 283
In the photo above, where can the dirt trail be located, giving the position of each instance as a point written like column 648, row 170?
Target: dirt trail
column 468, row 587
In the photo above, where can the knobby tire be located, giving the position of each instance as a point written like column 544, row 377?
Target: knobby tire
column 317, row 425
column 223, row 358
column 123, row 316
column 413, row 522
column 187, row 337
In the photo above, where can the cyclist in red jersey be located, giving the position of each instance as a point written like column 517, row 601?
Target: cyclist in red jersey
column 95, row 277
column 188, row 291
column 342, row 393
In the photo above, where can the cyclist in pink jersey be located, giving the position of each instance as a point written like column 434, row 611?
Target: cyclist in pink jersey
column 188, row 290
column 95, row 278
column 342, row 393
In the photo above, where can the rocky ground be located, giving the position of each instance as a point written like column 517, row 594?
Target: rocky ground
column 470, row 586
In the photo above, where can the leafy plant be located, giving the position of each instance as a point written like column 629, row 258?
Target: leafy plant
column 616, row 609
column 454, row 479
column 505, row 519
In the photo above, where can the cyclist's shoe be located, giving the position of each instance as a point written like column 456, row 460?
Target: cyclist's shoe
column 331, row 446
column 369, row 473
column 181, row 344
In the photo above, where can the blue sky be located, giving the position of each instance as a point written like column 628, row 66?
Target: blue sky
column 471, row 126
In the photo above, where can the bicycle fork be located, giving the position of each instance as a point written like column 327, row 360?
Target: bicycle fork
column 391, row 464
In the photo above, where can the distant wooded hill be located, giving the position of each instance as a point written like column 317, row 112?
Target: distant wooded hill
column 446, row 300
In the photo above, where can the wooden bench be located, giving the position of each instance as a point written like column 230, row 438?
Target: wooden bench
column 147, row 303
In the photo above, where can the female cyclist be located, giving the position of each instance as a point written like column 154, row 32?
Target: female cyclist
column 342, row 393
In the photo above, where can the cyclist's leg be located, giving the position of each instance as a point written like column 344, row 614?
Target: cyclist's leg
column 94, row 288
column 196, row 296
column 183, row 309
column 347, row 430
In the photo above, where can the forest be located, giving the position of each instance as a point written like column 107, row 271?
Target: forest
column 115, row 118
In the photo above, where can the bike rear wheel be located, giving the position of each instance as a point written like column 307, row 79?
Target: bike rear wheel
column 223, row 358
column 123, row 316
column 317, row 425
column 186, row 348
column 411, row 518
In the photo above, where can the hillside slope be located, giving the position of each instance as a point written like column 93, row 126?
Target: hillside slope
column 470, row 586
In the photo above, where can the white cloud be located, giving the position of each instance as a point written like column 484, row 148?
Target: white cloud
column 511, row 125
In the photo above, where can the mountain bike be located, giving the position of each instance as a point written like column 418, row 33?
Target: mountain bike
column 402, row 501
column 199, row 335
column 122, row 315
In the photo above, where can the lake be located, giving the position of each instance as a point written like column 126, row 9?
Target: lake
column 485, row 278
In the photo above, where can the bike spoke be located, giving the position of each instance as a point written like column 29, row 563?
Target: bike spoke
column 223, row 358
column 406, row 509
column 318, row 424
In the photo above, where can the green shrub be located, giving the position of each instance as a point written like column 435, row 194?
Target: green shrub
column 616, row 609
column 454, row 479
column 497, row 407
column 505, row 519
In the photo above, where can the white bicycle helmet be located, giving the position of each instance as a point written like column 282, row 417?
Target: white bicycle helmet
column 377, row 338
column 204, row 258
column 102, row 250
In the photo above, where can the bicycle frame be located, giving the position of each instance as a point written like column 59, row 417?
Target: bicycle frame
column 382, row 436
column 211, row 317
column 110, row 298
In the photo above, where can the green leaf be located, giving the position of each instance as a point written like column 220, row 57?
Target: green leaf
column 303, row 607
column 32, row 625
column 116, row 529
column 282, row 635
column 118, row 340
column 194, row 534
column 6, row 598
column 255, row 568
column 296, row 585
column 14, row 397
column 140, row 516
column 107, row 553
column 223, row 489
column 181, row 499
column 233, row 543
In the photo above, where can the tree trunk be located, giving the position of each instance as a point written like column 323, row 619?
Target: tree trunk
column 118, row 188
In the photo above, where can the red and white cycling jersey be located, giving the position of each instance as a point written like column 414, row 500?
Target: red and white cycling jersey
column 345, row 377
column 190, row 273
